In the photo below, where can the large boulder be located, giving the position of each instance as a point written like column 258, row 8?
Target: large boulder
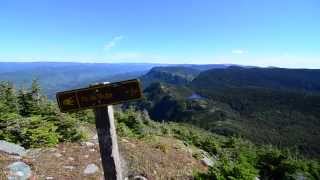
column 19, row 171
column 11, row 148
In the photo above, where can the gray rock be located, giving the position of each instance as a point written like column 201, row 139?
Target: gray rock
column 49, row 178
column 11, row 148
column 139, row 178
column 19, row 171
column 207, row 161
column 87, row 143
column 91, row 169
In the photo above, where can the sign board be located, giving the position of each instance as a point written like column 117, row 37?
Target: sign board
column 99, row 95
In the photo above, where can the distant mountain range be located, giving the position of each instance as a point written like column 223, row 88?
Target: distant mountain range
column 58, row 76
column 54, row 77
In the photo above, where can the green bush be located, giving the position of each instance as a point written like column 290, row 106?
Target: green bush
column 209, row 145
column 313, row 168
column 36, row 133
column 131, row 120
column 67, row 127
column 39, row 131
column 124, row 130
column 274, row 164
column 228, row 169
column 29, row 119
column 84, row 116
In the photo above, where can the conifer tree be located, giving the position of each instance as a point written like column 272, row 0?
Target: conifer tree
column 36, row 98
column 30, row 101
column 8, row 97
column 25, row 102
column 36, row 92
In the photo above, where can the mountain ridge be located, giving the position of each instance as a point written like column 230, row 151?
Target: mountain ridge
column 287, row 114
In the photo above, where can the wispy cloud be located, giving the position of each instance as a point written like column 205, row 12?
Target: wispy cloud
column 239, row 51
column 113, row 42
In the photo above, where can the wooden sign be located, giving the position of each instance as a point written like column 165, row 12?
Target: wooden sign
column 99, row 95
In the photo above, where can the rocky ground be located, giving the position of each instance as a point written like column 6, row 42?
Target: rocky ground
column 151, row 158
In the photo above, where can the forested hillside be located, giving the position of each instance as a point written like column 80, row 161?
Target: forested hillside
column 177, row 74
column 300, row 80
column 265, row 105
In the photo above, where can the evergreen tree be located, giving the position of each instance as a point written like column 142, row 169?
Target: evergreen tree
column 36, row 98
column 8, row 97
column 36, row 92
column 31, row 101
column 25, row 102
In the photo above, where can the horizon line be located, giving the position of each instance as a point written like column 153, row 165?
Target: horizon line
column 165, row 64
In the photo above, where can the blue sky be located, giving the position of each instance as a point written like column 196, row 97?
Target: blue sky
column 283, row 33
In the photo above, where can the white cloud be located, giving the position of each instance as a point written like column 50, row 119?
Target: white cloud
column 113, row 42
column 239, row 51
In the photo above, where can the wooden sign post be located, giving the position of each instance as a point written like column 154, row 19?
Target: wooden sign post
column 100, row 97
column 108, row 143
